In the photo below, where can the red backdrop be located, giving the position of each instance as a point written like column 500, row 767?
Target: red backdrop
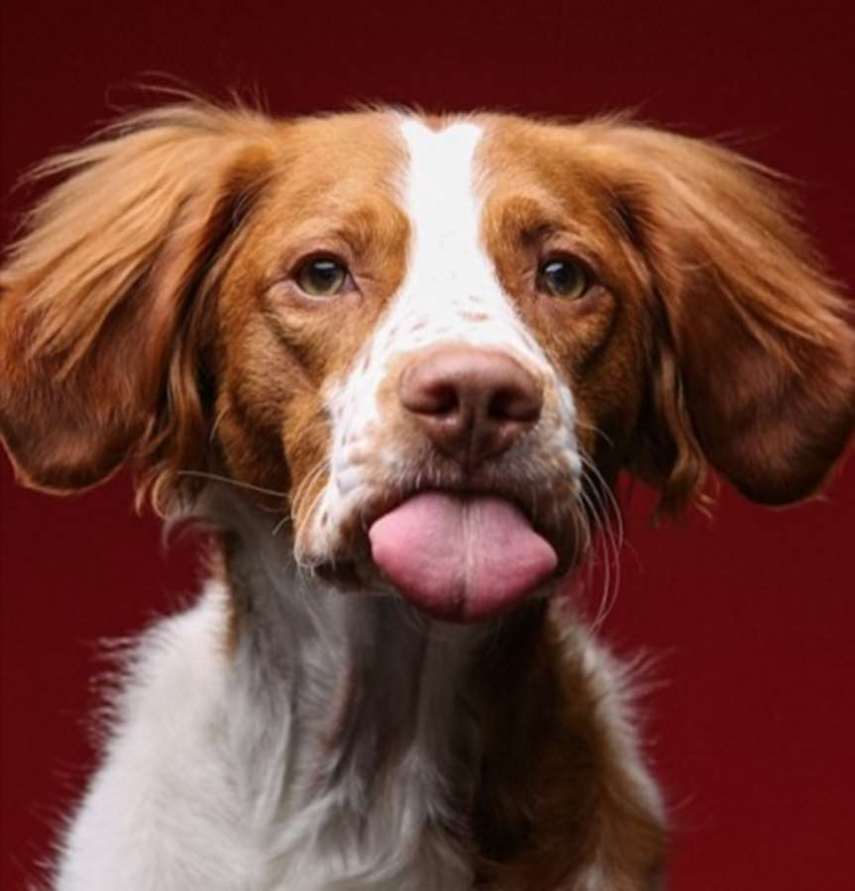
column 749, row 616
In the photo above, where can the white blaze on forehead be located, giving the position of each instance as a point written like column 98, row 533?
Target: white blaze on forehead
column 451, row 290
column 440, row 200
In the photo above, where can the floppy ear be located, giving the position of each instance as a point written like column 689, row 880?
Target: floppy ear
column 103, row 311
column 752, row 359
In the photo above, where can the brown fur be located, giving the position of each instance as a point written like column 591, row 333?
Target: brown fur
column 149, row 314
column 727, row 321
column 555, row 797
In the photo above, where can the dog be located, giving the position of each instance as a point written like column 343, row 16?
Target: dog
column 395, row 363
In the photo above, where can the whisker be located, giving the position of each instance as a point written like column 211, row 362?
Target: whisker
column 216, row 477
column 277, row 528
column 217, row 421
column 600, row 502
column 305, row 486
column 595, row 430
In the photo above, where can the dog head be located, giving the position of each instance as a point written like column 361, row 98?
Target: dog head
column 426, row 333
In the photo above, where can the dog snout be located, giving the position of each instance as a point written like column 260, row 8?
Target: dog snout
column 473, row 404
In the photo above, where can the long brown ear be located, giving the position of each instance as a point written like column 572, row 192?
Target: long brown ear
column 102, row 300
column 753, row 359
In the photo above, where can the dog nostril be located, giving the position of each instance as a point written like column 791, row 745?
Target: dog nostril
column 520, row 404
column 441, row 399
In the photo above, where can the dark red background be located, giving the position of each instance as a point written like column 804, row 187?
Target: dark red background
column 749, row 616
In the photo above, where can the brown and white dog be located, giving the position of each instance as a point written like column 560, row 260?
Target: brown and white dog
column 397, row 362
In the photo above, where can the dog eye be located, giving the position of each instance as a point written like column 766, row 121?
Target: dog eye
column 563, row 278
column 322, row 277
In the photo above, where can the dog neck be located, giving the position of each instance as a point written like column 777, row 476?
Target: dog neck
column 355, row 717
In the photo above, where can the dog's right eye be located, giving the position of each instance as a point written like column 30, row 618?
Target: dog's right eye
column 322, row 277
column 563, row 277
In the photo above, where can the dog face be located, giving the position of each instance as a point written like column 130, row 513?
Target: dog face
column 359, row 310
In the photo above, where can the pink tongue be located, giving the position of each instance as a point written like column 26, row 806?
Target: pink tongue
column 462, row 558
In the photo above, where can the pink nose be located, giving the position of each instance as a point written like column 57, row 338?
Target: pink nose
column 472, row 403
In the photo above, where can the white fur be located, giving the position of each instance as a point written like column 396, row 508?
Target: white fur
column 214, row 777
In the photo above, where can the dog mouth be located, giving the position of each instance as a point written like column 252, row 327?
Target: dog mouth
column 460, row 556
column 457, row 551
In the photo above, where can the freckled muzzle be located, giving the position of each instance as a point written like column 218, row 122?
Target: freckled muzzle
column 455, row 477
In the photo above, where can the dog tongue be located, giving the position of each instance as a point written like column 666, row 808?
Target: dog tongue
column 461, row 558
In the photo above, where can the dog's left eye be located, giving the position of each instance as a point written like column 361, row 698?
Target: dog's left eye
column 322, row 277
column 562, row 277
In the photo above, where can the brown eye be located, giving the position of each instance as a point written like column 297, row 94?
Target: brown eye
column 563, row 278
column 322, row 277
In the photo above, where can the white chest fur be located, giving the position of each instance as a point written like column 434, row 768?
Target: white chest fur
column 330, row 750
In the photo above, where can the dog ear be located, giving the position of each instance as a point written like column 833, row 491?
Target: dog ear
column 103, row 312
column 752, row 358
